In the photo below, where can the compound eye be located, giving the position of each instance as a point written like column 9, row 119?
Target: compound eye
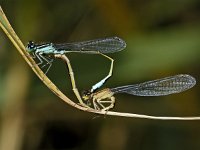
column 31, row 46
column 86, row 94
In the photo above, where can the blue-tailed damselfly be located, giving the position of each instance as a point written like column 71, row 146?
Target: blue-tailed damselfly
column 45, row 52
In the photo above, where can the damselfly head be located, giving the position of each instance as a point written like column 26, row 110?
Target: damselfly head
column 31, row 46
column 86, row 95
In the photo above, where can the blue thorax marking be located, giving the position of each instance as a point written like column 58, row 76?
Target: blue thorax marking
column 45, row 48
column 48, row 48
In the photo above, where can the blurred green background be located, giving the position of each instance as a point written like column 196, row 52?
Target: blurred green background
column 163, row 39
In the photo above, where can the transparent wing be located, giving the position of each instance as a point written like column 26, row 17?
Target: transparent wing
column 164, row 86
column 106, row 45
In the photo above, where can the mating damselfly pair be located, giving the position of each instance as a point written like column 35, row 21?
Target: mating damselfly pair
column 104, row 99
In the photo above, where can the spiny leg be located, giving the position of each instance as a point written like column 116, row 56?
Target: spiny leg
column 102, row 101
column 48, row 62
column 96, row 107
column 100, row 83
column 98, row 103
column 71, row 74
column 39, row 58
column 48, row 67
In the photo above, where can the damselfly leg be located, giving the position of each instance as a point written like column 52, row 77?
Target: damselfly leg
column 105, row 104
column 44, row 60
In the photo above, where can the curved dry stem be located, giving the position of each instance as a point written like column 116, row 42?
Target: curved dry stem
column 5, row 25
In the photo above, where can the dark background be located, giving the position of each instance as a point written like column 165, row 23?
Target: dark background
column 163, row 39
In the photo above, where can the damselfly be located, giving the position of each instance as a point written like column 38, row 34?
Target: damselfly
column 46, row 52
column 104, row 99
